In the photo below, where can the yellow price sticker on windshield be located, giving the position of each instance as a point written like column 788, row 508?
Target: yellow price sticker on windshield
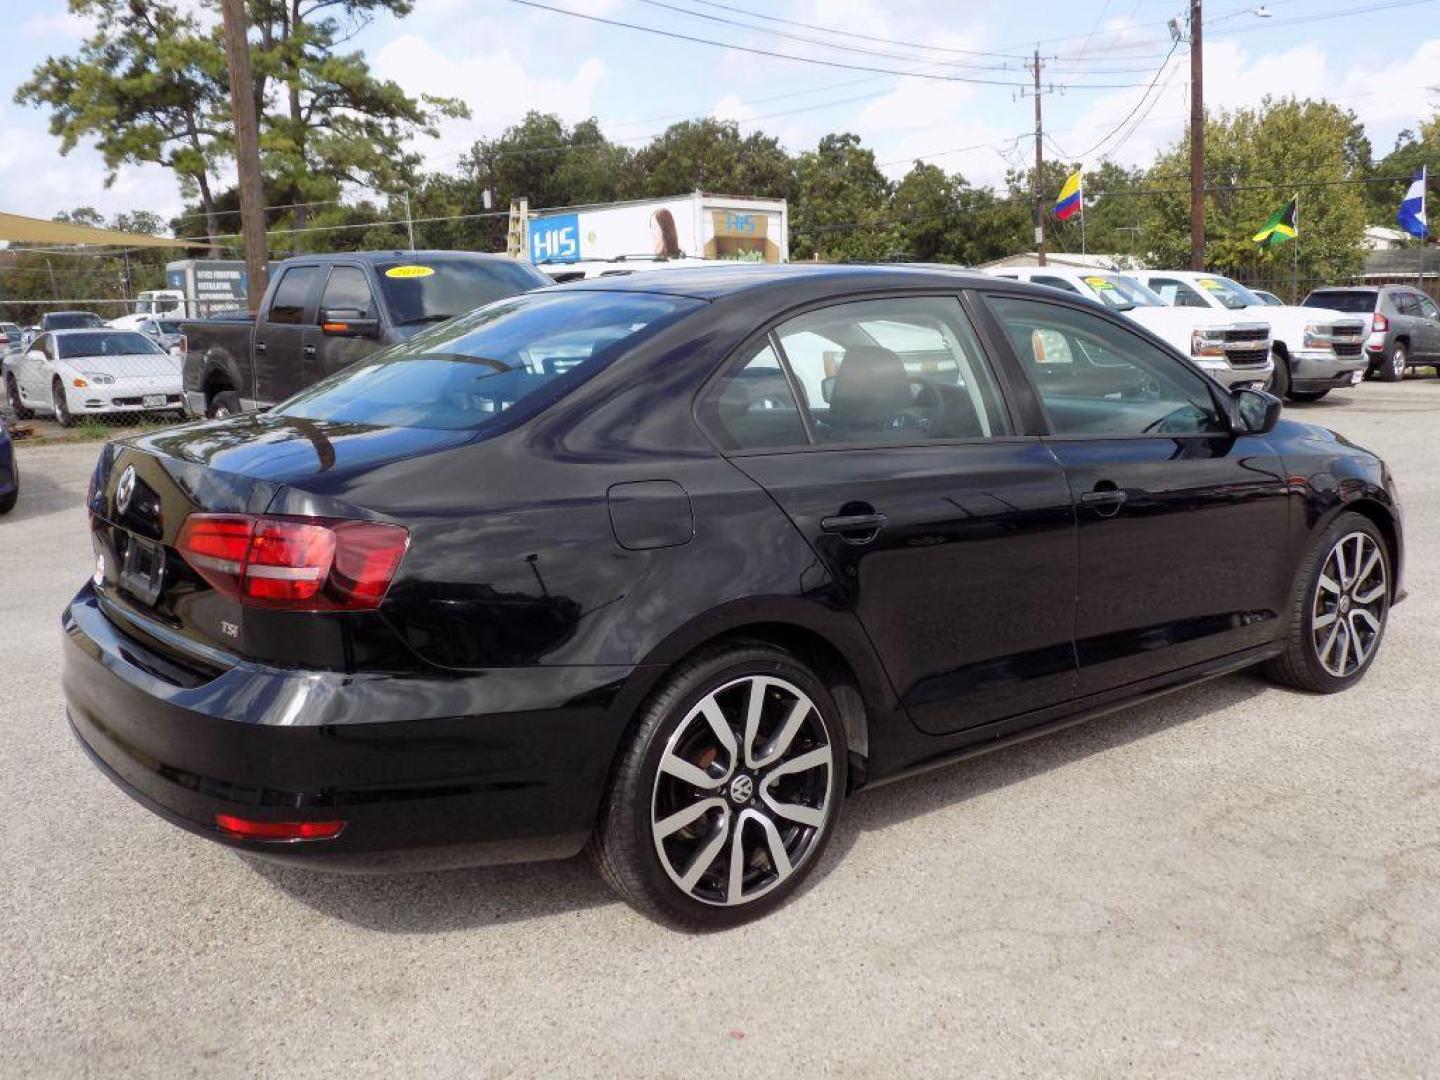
column 1098, row 283
column 1211, row 284
column 410, row 271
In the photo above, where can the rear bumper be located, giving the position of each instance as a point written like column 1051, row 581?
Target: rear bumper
column 419, row 773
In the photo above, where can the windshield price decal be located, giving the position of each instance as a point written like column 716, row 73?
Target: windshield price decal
column 409, row 271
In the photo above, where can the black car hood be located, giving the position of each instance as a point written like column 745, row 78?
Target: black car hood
column 284, row 449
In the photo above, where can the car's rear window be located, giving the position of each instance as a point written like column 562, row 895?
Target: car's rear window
column 105, row 343
column 72, row 320
column 1350, row 301
column 421, row 290
column 467, row 372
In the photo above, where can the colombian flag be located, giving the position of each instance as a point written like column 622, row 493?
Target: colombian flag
column 1069, row 200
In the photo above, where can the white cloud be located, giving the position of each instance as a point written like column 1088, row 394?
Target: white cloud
column 483, row 81
column 730, row 107
column 57, row 24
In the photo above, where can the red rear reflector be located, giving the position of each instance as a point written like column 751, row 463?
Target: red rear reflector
column 305, row 564
column 278, row 830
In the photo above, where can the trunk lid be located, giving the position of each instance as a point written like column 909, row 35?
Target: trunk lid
column 145, row 488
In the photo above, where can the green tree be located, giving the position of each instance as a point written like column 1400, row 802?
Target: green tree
column 710, row 155
column 1256, row 159
column 335, row 123
column 148, row 87
column 841, row 203
column 924, row 212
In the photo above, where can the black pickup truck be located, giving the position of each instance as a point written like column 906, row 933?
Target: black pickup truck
column 322, row 312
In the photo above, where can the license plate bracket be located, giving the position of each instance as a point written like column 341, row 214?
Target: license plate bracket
column 142, row 569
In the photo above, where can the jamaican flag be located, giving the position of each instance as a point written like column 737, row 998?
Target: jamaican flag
column 1283, row 225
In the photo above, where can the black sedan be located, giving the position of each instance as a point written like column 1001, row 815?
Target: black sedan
column 9, row 471
column 670, row 564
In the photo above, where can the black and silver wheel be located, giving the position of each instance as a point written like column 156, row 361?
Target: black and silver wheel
column 61, row 405
column 1340, row 608
column 225, row 403
column 729, row 792
column 1279, row 382
column 12, row 391
column 1392, row 368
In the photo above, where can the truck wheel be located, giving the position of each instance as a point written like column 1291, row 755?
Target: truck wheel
column 225, row 403
column 21, row 412
column 1392, row 368
column 1280, row 378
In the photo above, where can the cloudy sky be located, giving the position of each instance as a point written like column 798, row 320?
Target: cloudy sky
column 1378, row 57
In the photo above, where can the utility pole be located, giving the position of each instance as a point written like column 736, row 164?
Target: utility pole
column 247, row 150
column 1197, row 140
column 1039, row 165
column 409, row 221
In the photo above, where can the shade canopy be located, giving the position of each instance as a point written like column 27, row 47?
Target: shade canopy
column 28, row 230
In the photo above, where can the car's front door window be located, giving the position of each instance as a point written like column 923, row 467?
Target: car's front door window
column 896, row 370
column 1106, row 380
column 1177, row 293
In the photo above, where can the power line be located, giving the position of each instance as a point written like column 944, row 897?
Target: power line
column 1114, row 131
column 934, row 76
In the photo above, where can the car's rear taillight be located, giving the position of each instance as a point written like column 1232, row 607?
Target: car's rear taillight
column 1381, row 324
column 278, row 830
column 302, row 564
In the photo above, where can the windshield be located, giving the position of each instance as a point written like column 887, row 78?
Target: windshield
column 72, row 320
column 1231, row 294
column 168, row 327
column 465, row 373
column 1350, row 301
column 1122, row 293
column 107, row 343
column 432, row 290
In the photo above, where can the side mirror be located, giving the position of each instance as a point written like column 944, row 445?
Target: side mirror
column 1255, row 412
column 348, row 322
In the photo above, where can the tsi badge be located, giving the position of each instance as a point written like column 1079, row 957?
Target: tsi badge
column 229, row 629
column 125, row 489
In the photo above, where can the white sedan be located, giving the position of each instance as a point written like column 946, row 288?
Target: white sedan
column 75, row 373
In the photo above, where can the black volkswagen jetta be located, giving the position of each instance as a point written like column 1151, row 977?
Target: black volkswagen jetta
column 672, row 563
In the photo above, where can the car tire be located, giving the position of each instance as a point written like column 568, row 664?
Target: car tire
column 1344, row 579
column 61, row 405
column 12, row 391
column 1392, row 368
column 653, row 833
column 7, row 502
column 225, row 403
column 1280, row 378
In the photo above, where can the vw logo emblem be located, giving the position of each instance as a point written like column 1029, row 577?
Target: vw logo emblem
column 125, row 489
column 742, row 788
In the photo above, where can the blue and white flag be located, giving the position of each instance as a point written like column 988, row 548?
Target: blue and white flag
column 1412, row 207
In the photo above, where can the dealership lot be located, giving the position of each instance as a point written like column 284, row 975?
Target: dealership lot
column 1234, row 879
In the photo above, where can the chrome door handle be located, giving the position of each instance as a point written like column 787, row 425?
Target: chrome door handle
column 1103, row 498
column 308, row 350
column 854, row 528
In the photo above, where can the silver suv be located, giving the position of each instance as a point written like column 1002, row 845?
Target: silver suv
column 1402, row 324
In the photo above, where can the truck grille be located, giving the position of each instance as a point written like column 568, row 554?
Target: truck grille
column 1249, row 333
column 1247, row 357
column 1347, row 348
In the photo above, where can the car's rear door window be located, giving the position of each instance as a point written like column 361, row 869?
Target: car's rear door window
column 895, row 370
column 292, row 295
column 469, row 371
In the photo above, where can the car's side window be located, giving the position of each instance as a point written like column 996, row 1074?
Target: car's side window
column 292, row 295
column 1428, row 308
column 1108, row 381
column 47, row 346
column 348, row 290
column 751, row 407
column 1177, row 293
column 895, row 370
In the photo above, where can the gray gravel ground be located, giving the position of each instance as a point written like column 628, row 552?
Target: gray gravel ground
column 1235, row 880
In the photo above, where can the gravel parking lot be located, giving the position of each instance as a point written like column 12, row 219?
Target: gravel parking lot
column 1234, row 880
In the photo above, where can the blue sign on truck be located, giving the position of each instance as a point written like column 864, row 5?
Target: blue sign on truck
column 555, row 239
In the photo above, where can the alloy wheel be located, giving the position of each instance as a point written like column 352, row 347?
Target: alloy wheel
column 1351, row 599
column 742, row 792
column 1397, row 362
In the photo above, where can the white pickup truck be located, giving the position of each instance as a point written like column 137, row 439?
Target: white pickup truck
column 1316, row 349
column 152, row 304
column 1236, row 351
